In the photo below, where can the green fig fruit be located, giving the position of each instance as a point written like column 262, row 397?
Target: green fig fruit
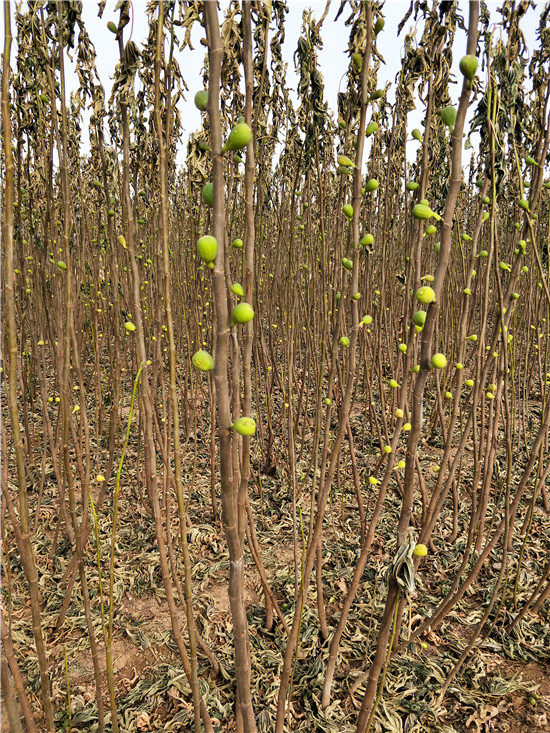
column 343, row 160
column 207, row 247
column 372, row 127
column 448, row 115
column 468, row 66
column 201, row 100
column 425, row 295
column 242, row 313
column 239, row 137
column 208, row 194
column 419, row 318
column 439, row 361
column 245, row 426
column 421, row 211
column 203, row 361
column 237, row 289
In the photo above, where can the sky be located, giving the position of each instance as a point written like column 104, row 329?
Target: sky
column 333, row 58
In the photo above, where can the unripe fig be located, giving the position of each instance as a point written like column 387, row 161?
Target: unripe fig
column 419, row 318
column 207, row 247
column 237, row 243
column 411, row 185
column 245, row 426
column 348, row 210
column 420, row 551
column 357, row 60
column 448, row 115
column 367, row 240
column 203, row 361
column 239, row 137
column 371, row 185
column 129, row 326
column 347, row 264
column 242, row 313
column 345, row 161
column 208, row 193
column 425, row 295
column 112, row 27
column 439, row 361
column 421, row 211
column 237, row 289
column 468, row 66
column 380, row 22
column 372, row 127
column 201, row 100
column 344, row 341
column 417, row 134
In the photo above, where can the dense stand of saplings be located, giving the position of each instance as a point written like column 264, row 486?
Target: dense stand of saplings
column 388, row 349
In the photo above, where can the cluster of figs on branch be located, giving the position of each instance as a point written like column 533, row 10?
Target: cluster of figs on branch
column 207, row 248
